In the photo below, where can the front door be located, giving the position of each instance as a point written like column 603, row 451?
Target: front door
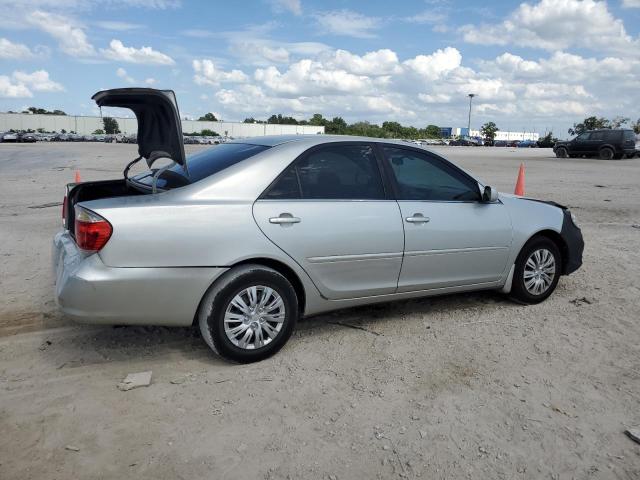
column 329, row 211
column 452, row 238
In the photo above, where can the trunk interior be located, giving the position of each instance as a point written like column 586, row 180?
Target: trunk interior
column 87, row 191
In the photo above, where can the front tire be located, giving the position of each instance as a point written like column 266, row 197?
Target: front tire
column 537, row 271
column 561, row 152
column 248, row 314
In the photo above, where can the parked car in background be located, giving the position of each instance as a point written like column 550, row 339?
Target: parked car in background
column 235, row 237
column 605, row 144
column 528, row 144
column 26, row 137
column 465, row 142
column 500, row 143
column 9, row 137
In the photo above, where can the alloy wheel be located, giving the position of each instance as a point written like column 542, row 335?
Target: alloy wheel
column 254, row 317
column 539, row 271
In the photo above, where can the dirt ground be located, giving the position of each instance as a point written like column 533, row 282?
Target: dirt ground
column 462, row 386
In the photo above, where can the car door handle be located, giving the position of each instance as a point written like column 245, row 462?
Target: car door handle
column 284, row 219
column 418, row 218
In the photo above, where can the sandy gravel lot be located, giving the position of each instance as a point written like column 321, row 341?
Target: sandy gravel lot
column 462, row 386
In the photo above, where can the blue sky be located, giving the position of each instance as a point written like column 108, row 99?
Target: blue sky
column 536, row 65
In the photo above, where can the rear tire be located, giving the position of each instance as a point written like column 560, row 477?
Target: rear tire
column 606, row 153
column 561, row 152
column 537, row 271
column 236, row 319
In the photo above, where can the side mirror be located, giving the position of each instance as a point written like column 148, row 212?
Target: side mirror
column 489, row 194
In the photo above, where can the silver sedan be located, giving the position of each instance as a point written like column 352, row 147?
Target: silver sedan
column 246, row 237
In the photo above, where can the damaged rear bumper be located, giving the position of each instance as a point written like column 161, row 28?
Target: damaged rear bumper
column 89, row 291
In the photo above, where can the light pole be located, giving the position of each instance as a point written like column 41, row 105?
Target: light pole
column 471, row 95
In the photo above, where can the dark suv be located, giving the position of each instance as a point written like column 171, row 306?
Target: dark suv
column 606, row 144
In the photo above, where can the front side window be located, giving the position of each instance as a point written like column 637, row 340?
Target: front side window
column 340, row 172
column 420, row 176
column 583, row 136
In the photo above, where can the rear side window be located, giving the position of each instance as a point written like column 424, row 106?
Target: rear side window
column 421, row 176
column 612, row 136
column 341, row 172
column 203, row 164
column 598, row 136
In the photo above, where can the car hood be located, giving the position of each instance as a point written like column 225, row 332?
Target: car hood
column 159, row 126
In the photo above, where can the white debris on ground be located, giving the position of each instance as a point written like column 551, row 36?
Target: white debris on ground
column 135, row 380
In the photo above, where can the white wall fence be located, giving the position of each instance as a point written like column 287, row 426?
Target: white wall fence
column 87, row 125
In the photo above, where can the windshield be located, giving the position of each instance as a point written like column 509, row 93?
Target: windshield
column 201, row 165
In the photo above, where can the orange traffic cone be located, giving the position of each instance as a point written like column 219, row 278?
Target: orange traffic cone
column 520, row 182
column 77, row 179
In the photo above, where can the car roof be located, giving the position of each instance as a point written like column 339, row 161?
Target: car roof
column 609, row 130
column 310, row 139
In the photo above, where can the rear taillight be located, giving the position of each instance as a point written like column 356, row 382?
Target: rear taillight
column 92, row 232
column 64, row 211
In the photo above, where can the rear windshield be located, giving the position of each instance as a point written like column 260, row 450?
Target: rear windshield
column 202, row 165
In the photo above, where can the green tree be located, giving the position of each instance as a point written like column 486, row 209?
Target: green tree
column 547, row 141
column 336, row 126
column 318, row 120
column 98, row 131
column 589, row 123
column 618, row 122
column 282, row 120
column 110, row 125
column 636, row 127
column 489, row 130
column 208, row 117
column 42, row 111
column 205, row 132
column 432, row 131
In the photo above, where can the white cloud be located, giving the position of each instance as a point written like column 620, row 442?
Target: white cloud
column 144, row 55
column 71, row 38
column 437, row 64
column 380, row 62
column 122, row 73
column 8, row 89
column 433, row 87
column 118, row 26
column 308, row 77
column 38, row 81
column 150, row 81
column 15, row 51
column 556, row 25
column 347, row 23
column 431, row 17
column 206, row 73
column 631, row 3
column 22, row 84
column 292, row 6
column 435, row 98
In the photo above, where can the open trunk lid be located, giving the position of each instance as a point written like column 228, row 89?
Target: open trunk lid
column 159, row 125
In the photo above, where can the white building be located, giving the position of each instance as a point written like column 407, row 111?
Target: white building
column 88, row 125
column 500, row 135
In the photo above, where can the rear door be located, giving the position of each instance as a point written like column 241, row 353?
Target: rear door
column 330, row 212
column 452, row 238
